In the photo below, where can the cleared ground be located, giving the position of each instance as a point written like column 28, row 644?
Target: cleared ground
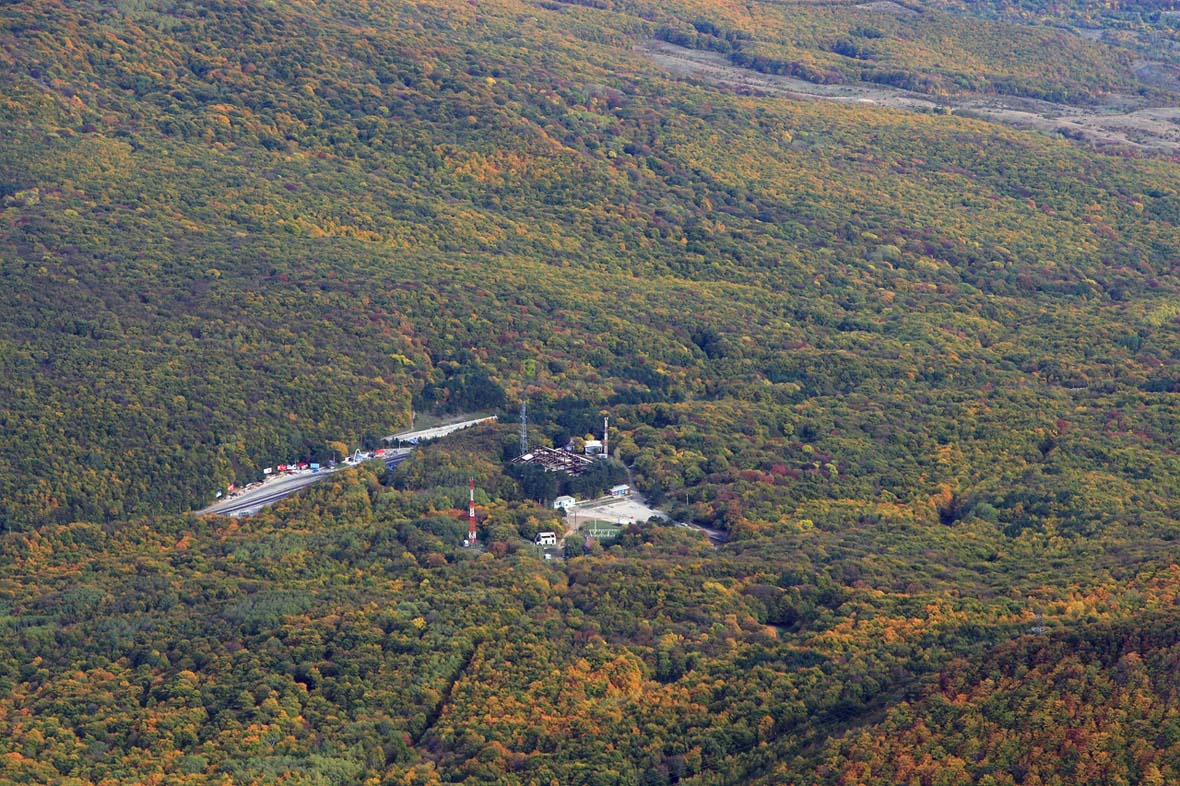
column 612, row 512
column 1120, row 123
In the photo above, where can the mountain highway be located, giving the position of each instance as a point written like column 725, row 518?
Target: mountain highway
column 272, row 491
column 276, row 488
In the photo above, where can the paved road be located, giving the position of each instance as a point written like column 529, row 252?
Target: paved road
column 271, row 492
column 253, row 501
column 437, row 431
column 716, row 536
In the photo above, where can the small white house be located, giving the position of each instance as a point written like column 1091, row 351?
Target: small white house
column 620, row 490
column 564, row 502
column 546, row 538
column 593, row 447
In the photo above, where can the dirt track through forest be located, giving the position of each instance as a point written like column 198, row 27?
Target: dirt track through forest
column 1119, row 124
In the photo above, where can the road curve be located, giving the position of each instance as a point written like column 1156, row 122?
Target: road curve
column 269, row 493
column 437, row 431
column 272, row 491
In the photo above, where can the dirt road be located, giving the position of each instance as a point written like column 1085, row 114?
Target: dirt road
column 1118, row 124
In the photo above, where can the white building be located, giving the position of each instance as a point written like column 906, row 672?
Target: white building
column 564, row 502
column 593, row 447
column 546, row 538
column 621, row 490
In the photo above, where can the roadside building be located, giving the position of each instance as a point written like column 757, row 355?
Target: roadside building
column 564, row 502
column 546, row 538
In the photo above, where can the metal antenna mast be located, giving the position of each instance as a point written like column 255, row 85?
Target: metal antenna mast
column 524, row 428
column 471, row 534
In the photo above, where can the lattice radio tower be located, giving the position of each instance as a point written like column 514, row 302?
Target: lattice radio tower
column 471, row 534
column 524, row 428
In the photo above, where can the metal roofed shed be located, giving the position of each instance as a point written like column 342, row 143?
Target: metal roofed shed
column 554, row 460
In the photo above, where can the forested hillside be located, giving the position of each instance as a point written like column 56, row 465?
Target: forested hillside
column 227, row 243
column 920, row 367
column 348, row 638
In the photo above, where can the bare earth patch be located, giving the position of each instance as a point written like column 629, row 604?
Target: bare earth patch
column 616, row 511
column 887, row 7
column 1118, row 124
column 1162, row 75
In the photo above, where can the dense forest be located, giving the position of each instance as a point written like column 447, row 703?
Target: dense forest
column 346, row 637
column 921, row 368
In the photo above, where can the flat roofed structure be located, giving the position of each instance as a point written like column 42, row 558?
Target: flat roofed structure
column 554, row 460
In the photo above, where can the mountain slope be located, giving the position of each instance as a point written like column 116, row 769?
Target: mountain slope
column 272, row 223
column 921, row 367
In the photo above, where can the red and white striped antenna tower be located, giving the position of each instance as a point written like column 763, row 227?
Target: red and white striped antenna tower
column 471, row 513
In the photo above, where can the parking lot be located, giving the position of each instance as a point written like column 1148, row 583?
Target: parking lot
column 621, row 510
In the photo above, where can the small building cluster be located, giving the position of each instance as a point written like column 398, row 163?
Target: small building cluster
column 565, row 460
column 555, row 460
